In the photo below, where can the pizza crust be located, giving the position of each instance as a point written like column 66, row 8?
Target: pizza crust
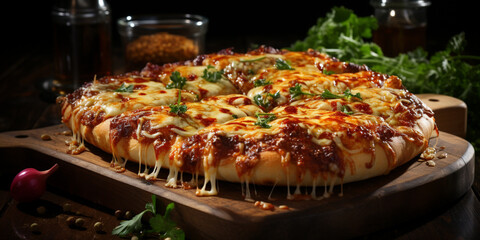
column 269, row 170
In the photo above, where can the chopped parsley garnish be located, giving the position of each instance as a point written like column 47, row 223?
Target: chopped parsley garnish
column 328, row 72
column 297, row 91
column 253, row 59
column 158, row 226
column 261, row 82
column 178, row 108
column 210, row 74
column 281, row 64
column 346, row 109
column 234, row 116
column 264, row 118
column 125, row 88
column 347, row 95
column 177, row 81
column 265, row 100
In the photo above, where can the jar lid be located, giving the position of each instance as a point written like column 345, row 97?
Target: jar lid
column 399, row 3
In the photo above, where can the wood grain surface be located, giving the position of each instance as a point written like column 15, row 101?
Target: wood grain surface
column 409, row 192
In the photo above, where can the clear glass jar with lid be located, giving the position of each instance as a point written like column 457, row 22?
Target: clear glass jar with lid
column 401, row 25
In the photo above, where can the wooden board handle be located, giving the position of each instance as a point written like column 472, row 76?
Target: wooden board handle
column 450, row 113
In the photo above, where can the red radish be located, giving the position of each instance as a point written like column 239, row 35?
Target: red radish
column 30, row 184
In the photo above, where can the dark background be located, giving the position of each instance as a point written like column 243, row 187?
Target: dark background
column 26, row 26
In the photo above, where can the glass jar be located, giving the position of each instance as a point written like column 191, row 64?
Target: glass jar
column 161, row 39
column 401, row 25
column 81, row 41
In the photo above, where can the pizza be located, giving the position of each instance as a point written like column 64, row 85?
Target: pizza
column 267, row 117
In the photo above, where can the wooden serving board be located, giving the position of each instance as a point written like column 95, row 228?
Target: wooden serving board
column 411, row 191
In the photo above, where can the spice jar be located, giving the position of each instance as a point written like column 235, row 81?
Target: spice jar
column 401, row 25
column 161, row 39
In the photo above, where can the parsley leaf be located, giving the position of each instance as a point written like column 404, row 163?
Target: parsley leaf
column 132, row 226
column 212, row 75
column 264, row 118
column 158, row 226
column 281, row 64
column 177, row 81
column 346, row 109
column 178, row 108
column 265, row 100
column 297, row 91
column 125, row 88
column 261, row 82
column 347, row 95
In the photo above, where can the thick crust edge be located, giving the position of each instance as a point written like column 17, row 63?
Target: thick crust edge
column 269, row 170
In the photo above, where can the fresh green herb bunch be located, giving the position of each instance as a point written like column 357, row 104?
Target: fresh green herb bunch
column 344, row 35
column 159, row 226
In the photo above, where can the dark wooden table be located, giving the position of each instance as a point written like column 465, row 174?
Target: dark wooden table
column 25, row 105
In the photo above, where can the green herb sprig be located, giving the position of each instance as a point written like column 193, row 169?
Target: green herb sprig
column 210, row 74
column 160, row 226
column 264, row 118
column 281, row 64
column 346, row 109
column 178, row 108
column 347, row 95
column 125, row 88
column 261, row 82
column 266, row 100
column 177, row 81
column 296, row 91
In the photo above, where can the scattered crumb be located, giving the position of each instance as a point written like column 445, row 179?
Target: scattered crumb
column 35, row 228
column 79, row 222
column 67, row 133
column 264, row 205
column 67, row 207
column 70, row 221
column 119, row 214
column 428, row 154
column 442, row 155
column 430, row 163
column 98, row 226
column 284, row 207
column 45, row 137
column 41, row 210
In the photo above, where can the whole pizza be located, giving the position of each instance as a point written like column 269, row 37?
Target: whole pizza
column 266, row 117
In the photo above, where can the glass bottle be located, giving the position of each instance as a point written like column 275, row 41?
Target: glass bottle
column 401, row 25
column 82, row 42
